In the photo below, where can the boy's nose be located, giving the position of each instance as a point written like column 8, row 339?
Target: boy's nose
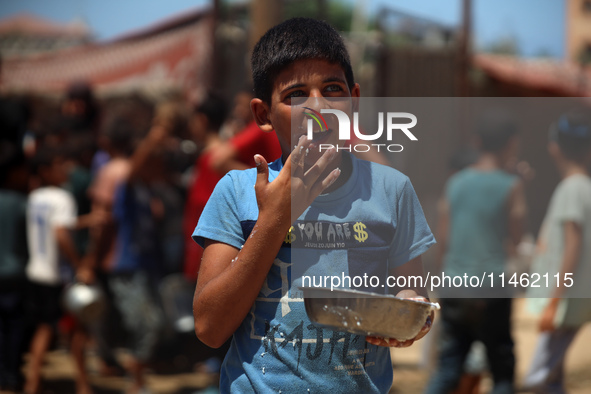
column 316, row 101
column 315, row 93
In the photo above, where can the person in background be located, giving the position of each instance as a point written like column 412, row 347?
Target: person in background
column 564, row 248
column 81, row 113
column 240, row 115
column 216, row 159
column 125, row 122
column 483, row 208
column 237, row 152
column 13, row 259
column 138, row 261
column 80, row 108
column 51, row 215
column 204, row 125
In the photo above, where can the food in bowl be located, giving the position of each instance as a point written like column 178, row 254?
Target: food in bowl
column 365, row 313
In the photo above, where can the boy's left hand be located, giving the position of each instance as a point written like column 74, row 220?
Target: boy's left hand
column 393, row 342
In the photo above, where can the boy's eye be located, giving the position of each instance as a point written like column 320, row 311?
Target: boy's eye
column 295, row 93
column 333, row 88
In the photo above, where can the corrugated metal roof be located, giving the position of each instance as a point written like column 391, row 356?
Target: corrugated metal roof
column 33, row 25
column 171, row 55
column 559, row 77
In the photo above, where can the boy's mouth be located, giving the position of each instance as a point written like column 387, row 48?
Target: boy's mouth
column 320, row 136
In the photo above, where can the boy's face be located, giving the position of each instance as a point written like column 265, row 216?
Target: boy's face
column 56, row 173
column 313, row 79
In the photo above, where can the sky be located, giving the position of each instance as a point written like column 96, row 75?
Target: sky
column 536, row 25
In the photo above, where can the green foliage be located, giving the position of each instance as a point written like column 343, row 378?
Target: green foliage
column 338, row 13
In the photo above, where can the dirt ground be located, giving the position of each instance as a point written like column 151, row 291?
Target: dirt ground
column 412, row 367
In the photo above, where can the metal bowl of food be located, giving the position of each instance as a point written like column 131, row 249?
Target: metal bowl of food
column 85, row 302
column 366, row 313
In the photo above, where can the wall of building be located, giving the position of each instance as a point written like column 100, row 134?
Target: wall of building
column 578, row 28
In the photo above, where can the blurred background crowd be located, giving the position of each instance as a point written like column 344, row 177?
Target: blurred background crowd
column 126, row 137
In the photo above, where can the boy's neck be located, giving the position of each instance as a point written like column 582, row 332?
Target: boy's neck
column 488, row 162
column 569, row 168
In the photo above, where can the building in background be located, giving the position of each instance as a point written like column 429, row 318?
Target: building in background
column 172, row 54
column 25, row 35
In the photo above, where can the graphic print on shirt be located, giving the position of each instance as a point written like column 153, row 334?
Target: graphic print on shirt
column 353, row 248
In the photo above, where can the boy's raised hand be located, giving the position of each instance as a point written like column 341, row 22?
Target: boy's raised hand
column 295, row 188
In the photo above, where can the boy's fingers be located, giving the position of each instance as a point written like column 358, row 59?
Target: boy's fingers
column 426, row 327
column 298, row 154
column 389, row 342
column 262, row 169
column 326, row 182
column 318, row 168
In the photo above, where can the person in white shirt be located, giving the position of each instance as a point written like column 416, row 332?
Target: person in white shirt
column 51, row 215
column 564, row 249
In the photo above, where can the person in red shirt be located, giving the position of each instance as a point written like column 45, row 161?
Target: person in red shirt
column 216, row 159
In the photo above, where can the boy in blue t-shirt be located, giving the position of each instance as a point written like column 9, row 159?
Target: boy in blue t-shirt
column 244, row 284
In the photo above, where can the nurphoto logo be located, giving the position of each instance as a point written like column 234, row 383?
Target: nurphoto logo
column 392, row 124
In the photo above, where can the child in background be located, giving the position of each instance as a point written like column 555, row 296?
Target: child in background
column 216, row 159
column 564, row 247
column 483, row 209
column 243, row 288
column 51, row 215
column 13, row 260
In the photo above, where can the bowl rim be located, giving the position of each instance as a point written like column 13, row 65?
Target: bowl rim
column 352, row 293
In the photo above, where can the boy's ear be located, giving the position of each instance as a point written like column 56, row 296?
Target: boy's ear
column 356, row 91
column 554, row 150
column 260, row 112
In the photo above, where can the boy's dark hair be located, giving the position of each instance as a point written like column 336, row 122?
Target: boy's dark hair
column 494, row 130
column 127, row 121
column 463, row 158
column 45, row 156
column 215, row 108
column 292, row 40
column 82, row 90
column 11, row 157
column 13, row 119
column 572, row 133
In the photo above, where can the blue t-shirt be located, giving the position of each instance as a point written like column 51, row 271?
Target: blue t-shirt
column 277, row 348
column 137, row 243
column 478, row 221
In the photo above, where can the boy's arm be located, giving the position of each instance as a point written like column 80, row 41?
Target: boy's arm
column 66, row 245
column 229, row 282
column 223, row 158
column 157, row 136
column 92, row 219
column 230, row 279
column 573, row 242
column 163, row 127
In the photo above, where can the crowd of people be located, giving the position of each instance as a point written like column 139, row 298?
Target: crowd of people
column 106, row 194
column 481, row 222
